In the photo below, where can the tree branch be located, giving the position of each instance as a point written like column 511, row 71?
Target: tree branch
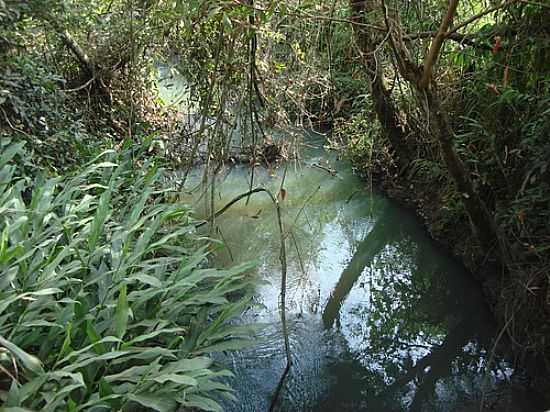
column 466, row 39
column 75, row 48
column 479, row 15
column 431, row 58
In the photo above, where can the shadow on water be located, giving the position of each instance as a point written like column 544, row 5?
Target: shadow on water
column 437, row 294
column 376, row 240
column 380, row 318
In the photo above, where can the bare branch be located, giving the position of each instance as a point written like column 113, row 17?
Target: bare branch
column 309, row 16
column 431, row 58
column 464, row 39
column 480, row 15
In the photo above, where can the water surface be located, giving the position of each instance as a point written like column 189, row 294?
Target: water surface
column 379, row 317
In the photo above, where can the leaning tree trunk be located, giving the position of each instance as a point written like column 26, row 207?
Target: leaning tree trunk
column 385, row 110
column 81, row 56
column 482, row 220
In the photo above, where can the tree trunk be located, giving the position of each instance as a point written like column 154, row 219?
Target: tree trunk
column 385, row 110
column 82, row 57
column 437, row 120
column 482, row 220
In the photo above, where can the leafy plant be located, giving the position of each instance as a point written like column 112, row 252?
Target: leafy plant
column 365, row 145
column 106, row 299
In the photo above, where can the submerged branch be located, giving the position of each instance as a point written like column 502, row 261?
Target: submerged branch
column 282, row 259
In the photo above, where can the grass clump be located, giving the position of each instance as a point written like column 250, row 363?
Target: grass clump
column 106, row 300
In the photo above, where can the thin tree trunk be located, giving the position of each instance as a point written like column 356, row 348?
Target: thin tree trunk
column 482, row 220
column 82, row 57
column 385, row 110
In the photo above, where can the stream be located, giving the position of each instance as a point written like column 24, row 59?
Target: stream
column 379, row 317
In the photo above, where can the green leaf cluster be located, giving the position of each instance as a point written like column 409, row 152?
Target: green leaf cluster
column 106, row 298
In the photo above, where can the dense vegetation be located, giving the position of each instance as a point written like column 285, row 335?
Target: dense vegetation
column 106, row 296
column 105, row 299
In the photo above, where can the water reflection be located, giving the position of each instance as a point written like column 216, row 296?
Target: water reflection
column 380, row 318
column 367, row 249
column 410, row 332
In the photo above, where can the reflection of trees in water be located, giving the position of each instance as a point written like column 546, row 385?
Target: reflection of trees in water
column 411, row 333
column 419, row 318
column 318, row 198
column 309, row 218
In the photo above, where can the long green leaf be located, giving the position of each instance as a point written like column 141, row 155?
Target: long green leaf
column 122, row 313
column 29, row 361
column 157, row 403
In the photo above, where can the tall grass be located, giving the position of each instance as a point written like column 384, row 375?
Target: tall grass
column 106, row 300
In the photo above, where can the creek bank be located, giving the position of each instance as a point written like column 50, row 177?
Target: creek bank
column 370, row 296
column 428, row 200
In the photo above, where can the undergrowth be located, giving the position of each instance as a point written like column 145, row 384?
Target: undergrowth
column 106, row 298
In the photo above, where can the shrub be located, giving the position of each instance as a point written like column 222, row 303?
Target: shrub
column 106, row 300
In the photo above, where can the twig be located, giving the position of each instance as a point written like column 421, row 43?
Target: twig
column 278, row 388
column 464, row 39
column 303, row 15
column 300, row 260
column 435, row 47
column 226, row 245
column 282, row 259
column 535, row 3
column 480, row 15
column 12, row 126
column 303, row 208
column 80, row 87
column 252, row 65
column 208, row 101
column 353, row 194
column 330, row 171
column 492, row 356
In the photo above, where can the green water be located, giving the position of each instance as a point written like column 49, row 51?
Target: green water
column 380, row 318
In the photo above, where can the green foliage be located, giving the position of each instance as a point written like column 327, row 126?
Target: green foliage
column 426, row 169
column 504, row 140
column 107, row 302
column 97, row 265
column 364, row 143
column 35, row 109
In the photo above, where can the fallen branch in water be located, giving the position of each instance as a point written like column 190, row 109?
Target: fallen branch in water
column 330, row 171
column 236, row 199
column 282, row 259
